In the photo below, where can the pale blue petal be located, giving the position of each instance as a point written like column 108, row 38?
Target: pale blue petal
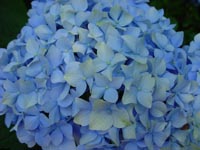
column 88, row 68
column 57, row 76
column 100, row 120
column 82, row 118
column 54, row 115
column 125, row 19
column 79, row 48
column 67, row 130
column 66, row 101
column 111, row 95
column 50, row 19
column 31, row 122
column 10, row 86
column 25, row 101
column 54, row 56
column 79, row 5
column 129, row 97
column 145, row 99
column 114, row 136
column 158, row 109
column 147, row 83
column 73, row 74
column 101, row 80
column 97, row 92
column 94, row 31
column 177, row 39
column 25, row 86
column 88, row 137
column 181, row 136
column 32, row 47
column 115, row 12
column 144, row 118
column 43, row 32
column 178, row 119
column 160, row 40
column 160, row 138
column 152, row 14
column 118, row 58
column 186, row 98
column 81, row 17
column 131, row 146
column 129, row 132
column 120, row 118
column 79, row 104
column 114, row 40
column 34, row 69
column 81, row 87
column 149, row 141
column 104, row 52
column 57, row 137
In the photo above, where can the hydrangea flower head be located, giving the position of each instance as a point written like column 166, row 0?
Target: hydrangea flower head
column 109, row 74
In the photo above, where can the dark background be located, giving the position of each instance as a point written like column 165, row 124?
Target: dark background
column 184, row 13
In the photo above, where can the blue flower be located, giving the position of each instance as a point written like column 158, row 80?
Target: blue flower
column 109, row 74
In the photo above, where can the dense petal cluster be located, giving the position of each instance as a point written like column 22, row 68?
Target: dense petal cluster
column 109, row 74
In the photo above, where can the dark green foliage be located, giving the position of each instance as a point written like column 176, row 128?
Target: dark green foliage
column 183, row 13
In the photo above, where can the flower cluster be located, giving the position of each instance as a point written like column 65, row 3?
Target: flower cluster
column 109, row 74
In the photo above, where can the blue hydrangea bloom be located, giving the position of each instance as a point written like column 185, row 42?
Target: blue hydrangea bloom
column 101, row 75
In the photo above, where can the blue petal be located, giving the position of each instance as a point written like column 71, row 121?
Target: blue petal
column 54, row 56
column 57, row 76
column 131, row 146
column 152, row 14
column 145, row 99
column 160, row 39
column 97, row 92
column 57, row 137
column 177, row 39
column 34, row 69
column 31, row 122
column 125, row 19
column 80, row 5
column 160, row 138
column 81, row 88
column 129, row 97
column 149, row 141
column 178, row 119
column 43, row 32
column 25, row 101
column 111, row 95
column 25, row 86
